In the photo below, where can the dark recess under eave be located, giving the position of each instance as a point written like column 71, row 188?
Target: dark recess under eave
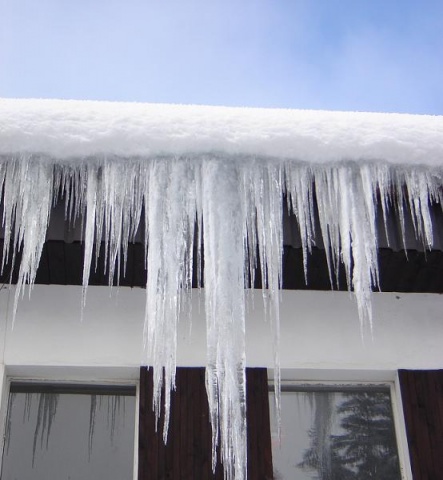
column 62, row 264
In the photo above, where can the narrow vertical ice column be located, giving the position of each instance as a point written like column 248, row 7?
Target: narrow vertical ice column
column 170, row 213
column 224, row 223
column 300, row 198
column 263, row 188
column 89, row 227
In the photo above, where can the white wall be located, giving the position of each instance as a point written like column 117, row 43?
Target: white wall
column 319, row 331
column 320, row 337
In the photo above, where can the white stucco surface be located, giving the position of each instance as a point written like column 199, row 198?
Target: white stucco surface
column 320, row 337
column 319, row 332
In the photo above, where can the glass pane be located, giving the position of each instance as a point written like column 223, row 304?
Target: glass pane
column 70, row 433
column 336, row 435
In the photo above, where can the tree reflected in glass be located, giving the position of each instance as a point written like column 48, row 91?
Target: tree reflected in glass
column 337, row 435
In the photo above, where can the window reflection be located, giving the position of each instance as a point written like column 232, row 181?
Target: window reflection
column 75, row 432
column 336, row 434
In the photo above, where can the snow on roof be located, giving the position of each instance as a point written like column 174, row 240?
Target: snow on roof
column 361, row 160
column 64, row 129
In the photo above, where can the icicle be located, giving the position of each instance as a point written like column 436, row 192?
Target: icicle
column 347, row 221
column 27, row 200
column 382, row 191
column 228, row 210
column 224, row 223
column 263, row 187
column 170, row 212
column 417, row 186
column 299, row 188
column 88, row 236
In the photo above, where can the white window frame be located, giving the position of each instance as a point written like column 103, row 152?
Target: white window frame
column 71, row 376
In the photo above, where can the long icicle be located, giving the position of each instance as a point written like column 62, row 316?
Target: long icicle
column 238, row 205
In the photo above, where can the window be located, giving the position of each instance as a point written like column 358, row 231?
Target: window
column 76, row 432
column 336, row 433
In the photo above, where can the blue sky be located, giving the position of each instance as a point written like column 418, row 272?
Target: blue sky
column 367, row 55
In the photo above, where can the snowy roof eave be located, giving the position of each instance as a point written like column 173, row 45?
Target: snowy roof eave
column 67, row 129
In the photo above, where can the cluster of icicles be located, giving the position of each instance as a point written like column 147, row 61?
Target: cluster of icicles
column 229, row 211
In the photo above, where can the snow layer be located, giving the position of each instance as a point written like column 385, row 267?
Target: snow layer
column 211, row 181
column 65, row 129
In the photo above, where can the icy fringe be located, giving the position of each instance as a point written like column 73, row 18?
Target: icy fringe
column 230, row 210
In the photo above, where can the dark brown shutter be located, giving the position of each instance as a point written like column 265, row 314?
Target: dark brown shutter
column 422, row 397
column 187, row 454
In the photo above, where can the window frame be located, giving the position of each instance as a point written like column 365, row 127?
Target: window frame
column 353, row 380
column 73, row 376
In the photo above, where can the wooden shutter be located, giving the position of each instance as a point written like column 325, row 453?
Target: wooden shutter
column 187, row 454
column 422, row 396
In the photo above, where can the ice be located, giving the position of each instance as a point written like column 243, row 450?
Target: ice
column 207, row 187
column 27, row 200
column 234, row 209
column 170, row 194
column 224, row 224
column 264, row 187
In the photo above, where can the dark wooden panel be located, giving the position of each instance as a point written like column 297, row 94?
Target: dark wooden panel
column 174, row 434
column 96, row 273
column 160, row 446
column 57, row 263
column 253, row 405
column 422, row 396
column 187, row 413
column 188, row 452
column 259, row 425
column 136, row 272
column 74, row 263
column 143, row 424
column 62, row 263
column 42, row 276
